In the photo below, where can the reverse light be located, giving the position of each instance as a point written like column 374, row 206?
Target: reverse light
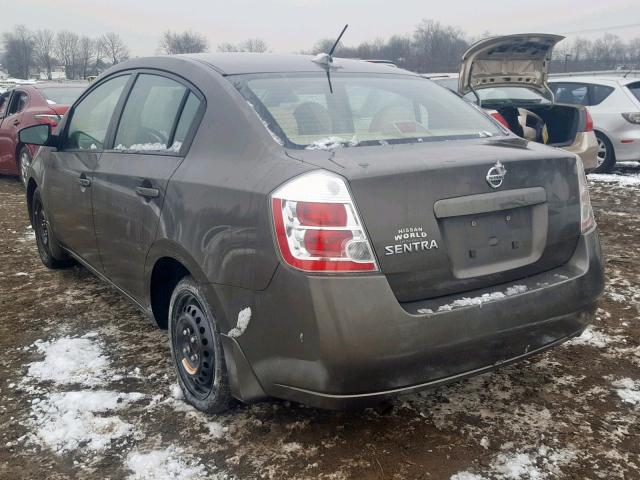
column 48, row 119
column 586, row 212
column 632, row 117
column 317, row 226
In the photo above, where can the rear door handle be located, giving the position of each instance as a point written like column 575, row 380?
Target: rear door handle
column 83, row 181
column 16, row 122
column 148, row 192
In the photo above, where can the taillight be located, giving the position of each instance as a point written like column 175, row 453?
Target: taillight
column 588, row 127
column 317, row 226
column 48, row 119
column 498, row 116
column 586, row 212
column 632, row 117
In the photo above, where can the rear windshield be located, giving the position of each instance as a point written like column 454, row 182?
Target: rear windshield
column 500, row 95
column 635, row 89
column 314, row 111
column 61, row 95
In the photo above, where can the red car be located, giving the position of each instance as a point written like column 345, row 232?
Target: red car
column 28, row 105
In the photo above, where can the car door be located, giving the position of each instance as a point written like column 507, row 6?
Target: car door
column 68, row 182
column 130, row 180
column 9, row 131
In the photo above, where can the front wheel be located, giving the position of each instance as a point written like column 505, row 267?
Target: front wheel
column 24, row 161
column 196, row 349
column 50, row 252
column 606, row 158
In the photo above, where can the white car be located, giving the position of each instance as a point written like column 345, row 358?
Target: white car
column 614, row 104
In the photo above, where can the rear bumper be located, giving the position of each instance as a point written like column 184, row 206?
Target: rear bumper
column 586, row 147
column 338, row 342
column 626, row 144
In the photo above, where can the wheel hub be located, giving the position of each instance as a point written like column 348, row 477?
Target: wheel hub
column 193, row 347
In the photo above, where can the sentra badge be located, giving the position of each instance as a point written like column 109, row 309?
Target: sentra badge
column 410, row 239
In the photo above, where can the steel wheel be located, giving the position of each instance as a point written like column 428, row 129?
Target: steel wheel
column 193, row 346
column 41, row 225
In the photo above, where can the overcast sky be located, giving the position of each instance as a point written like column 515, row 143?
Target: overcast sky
column 294, row 25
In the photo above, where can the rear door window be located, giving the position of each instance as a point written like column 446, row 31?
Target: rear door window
column 150, row 115
column 188, row 116
column 4, row 101
column 90, row 118
column 18, row 102
column 572, row 93
column 599, row 93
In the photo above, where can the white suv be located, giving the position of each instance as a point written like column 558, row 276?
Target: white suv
column 614, row 104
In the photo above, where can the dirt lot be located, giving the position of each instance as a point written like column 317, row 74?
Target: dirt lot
column 87, row 390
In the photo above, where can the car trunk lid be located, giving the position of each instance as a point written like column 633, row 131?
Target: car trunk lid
column 438, row 226
column 511, row 60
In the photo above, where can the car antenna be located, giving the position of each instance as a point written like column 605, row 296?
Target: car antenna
column 326, row 59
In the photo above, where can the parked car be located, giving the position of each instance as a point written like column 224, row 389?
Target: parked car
column 614, row 104
column 332, row 234
column 27, row 105
column 507, row 76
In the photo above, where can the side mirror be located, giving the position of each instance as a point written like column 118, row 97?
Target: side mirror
column 37, row 135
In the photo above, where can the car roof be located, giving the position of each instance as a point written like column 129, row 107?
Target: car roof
column 246, row 63
column 603, row 80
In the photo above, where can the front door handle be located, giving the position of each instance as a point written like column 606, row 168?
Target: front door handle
column 83, row 181
column 148, row 192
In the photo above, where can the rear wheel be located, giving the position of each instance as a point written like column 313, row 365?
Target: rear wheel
column 197, row 350
column 606, row 158
column 50, row 252
column 24, row 161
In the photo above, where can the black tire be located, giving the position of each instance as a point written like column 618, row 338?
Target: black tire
column 196, row 349
column 24, row 160
column 606, row 158
column 51, row 254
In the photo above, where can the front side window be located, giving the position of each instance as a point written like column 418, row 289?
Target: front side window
column 312, row 111
column 90, row 118
column 150, row 114
column 4, row 100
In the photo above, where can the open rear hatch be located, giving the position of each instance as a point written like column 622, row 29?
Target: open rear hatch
column 449, row 217
column 508, row 61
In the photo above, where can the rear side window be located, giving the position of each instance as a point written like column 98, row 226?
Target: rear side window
column 90, row 118
column 599, row 93
column 150, row 114
column 634, row 88
column 189, row 112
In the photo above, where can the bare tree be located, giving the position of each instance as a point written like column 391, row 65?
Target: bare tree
column 255, row 45
column 86, row 51
column 67, row 49
column 43, row 47
column 18, row 51
column 186, row 42
column 115, row 49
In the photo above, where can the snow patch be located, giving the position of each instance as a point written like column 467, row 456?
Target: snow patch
column 172, row 463
column 243, row 322
column 622, row 180
column 628, row 390
column 67, row 421
column 70, row 361
column 328, row 143
column 484, row 298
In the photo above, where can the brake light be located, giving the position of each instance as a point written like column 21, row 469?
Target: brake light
column 317, row 227
column 498, row 116
column 48, row 119
column 588, row 121
column 586, row 212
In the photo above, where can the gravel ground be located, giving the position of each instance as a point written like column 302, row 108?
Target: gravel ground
column 87, row 390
